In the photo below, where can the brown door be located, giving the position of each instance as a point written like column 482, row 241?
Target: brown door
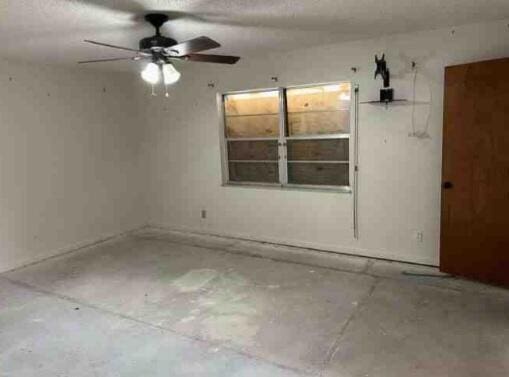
column 475, row 172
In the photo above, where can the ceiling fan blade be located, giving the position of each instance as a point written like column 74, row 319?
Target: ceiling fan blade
column 109, row 60
column 117, row 47
column 222, row 59
column 192, row 45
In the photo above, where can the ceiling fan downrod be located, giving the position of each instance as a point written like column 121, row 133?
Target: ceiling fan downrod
column 157, row 20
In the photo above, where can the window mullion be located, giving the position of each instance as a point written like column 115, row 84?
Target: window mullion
column 283, row 164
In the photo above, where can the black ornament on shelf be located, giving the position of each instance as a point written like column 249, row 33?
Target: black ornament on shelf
column 387, row 93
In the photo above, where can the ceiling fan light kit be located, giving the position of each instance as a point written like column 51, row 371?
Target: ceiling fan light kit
column 161, row 51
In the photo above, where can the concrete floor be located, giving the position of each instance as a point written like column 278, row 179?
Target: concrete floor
column 172, row 304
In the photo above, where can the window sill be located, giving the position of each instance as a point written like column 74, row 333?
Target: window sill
column 277, row 186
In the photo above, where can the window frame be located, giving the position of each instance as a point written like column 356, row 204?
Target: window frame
column 282, row 139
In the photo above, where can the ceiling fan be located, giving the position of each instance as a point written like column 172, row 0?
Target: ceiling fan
column 160, row 51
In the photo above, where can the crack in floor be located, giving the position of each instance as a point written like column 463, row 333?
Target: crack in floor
column 333, row 349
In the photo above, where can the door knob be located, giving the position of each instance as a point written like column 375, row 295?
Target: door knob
column 447, row 185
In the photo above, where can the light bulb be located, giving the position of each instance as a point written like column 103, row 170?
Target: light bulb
column 151, row 73
column 170, row 74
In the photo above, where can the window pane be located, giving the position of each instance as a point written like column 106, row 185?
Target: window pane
column 311, row 150
column 320, row 109
column 318, row 174
column 252, row 114
column 253, row 150
column 252, row 103
column 254, row 172
column 252, row 126
column 318, row 123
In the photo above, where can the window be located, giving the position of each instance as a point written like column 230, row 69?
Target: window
column 295, row 137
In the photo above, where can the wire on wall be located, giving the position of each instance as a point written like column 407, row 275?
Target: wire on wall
column 420, row 134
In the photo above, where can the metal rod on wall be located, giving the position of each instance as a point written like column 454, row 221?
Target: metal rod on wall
column 356, row 165
column 225, row 176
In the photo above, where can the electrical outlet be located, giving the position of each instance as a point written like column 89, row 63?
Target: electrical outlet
column 203, row 214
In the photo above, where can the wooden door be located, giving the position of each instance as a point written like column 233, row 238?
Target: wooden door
column 475, row 172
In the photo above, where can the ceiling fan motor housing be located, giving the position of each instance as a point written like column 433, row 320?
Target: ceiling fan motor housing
column 156, row 41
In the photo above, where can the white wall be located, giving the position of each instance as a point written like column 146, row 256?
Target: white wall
column 78, row 164
column 69, row 160
column 399, row 190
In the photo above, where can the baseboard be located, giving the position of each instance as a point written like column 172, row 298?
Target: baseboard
column 74, row 247
column 239, row 236
column 307, row 245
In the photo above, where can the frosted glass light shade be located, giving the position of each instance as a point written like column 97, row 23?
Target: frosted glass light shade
column 151, row 73
column 170, row 74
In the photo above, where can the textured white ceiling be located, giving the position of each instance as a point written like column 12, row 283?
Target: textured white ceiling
column 51, row 31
